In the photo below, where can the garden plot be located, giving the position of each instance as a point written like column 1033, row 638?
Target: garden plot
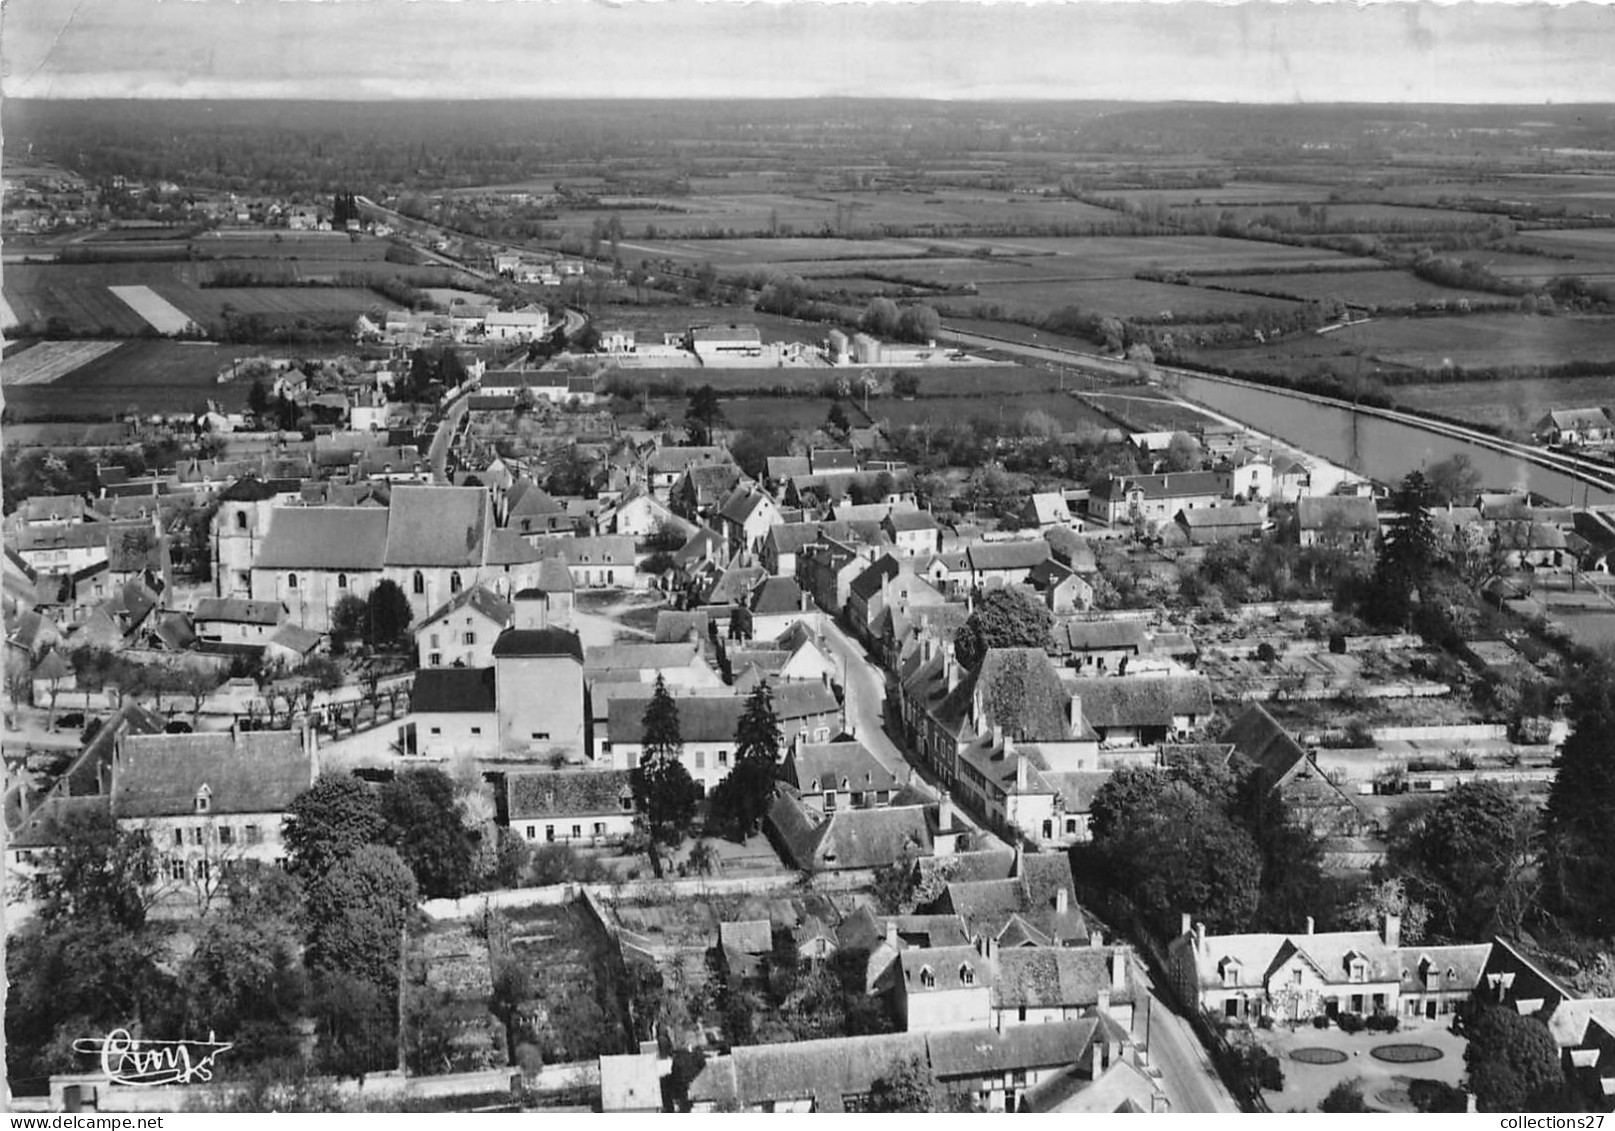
column 162, row 315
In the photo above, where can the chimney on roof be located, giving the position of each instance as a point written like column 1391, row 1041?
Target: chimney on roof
column 1200, row 937
column 950, row 665
column 944, row 814
column 1062, row 901
column 998, row 735
column 1102, row 1001
column 989, row 948
column 1392, row 933
column 1075, row 715
column 1023, row 778
column 1185, row 925
column 1118, row 969
column 891, row 933
column 1096, row 937
column 1310, row 924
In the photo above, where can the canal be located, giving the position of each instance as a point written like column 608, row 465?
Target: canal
column 1384, row 450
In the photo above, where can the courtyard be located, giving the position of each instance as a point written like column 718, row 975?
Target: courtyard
column 1384, row 1083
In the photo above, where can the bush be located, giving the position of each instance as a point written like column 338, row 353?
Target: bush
column 72, row 720
column 1437, row 1096
column 1383, row 1023
column 1266, row 653
column 1350, row 1022
column 1344, row 1097
column 1320, row 1021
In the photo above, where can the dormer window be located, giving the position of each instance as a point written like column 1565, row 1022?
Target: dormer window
column 1359, row 970
column 927, row 978
column 1230, row 972
column 967, row 976
column 204, row 799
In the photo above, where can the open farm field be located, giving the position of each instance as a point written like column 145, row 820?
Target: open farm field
column 1368, row 216
column 1577, row 193
column 45, row 362
column 160, row 314
column 1006, row 408
column 1141, row 409
column 78, row 295
column 1109, row 257
column 1233, row 192
column 1593, row 250
column 936, row 271
column 1431, row 343
column 1359, row 288
column 1488, row 339
column 1535, row 268
column 751, row 254
column 759, row 412
column 325, row 305
column 1511, row 405
column 1125, row 297
column 935, row 381
column 950, row 208
column 151, row 376
column 259, row 244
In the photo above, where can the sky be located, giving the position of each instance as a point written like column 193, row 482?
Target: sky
column 1256, row 51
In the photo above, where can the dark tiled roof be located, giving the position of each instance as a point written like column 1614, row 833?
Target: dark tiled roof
column 868, row 583
column 1131, row 701
column 1348, row 513
column 538, row 642
column 239, row 611
column 1258, row 738
column 776, row 595
column 826, row 765
column 1100, row 635
column 586, row 793
column 1007, row 555
column 1046, row 977
column 453, row 690
column 258, row 772
column 847, row 838
column 1019, row 1048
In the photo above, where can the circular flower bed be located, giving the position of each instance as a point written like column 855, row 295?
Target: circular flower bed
column 1314, row 1054
column 1405, row 1053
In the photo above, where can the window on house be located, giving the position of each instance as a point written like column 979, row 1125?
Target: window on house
column 418, row 583
column 470, row 638
column 700, row 759
column 227, row 835
column 1359, row 972
column 549, row 833
column 927, row 978
column 176, row 868
column 436, row 659
column 577, row 831
column 437, row 730
column 341, row 581
column 723, row 757
column 599, row 828
column 179, row 837
column 625, row 802
column 241, row 520
column 829, row 800
column 1230, row 1008
column 541, row 736
column 1020, row 1014
column 454, row 582
column 291, row 581
column 967, row 976
column 1295, row 977
column 202, row 802
column 254, row 834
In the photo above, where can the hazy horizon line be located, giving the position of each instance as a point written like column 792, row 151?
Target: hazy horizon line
column 382, row 99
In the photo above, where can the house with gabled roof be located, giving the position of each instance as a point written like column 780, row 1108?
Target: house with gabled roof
column 745, row 516
column 701, row 490
column 1154, row 499
column 207, row 800
column 462, row 632
column 1045, row 509
column 815, row 840
column 1287, row 767
column 587, row 807
column 1004, row 563
column 837, row 775
column 1344, row 522
column 233, row 621
column 1573, row 427
column 1141, row 710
